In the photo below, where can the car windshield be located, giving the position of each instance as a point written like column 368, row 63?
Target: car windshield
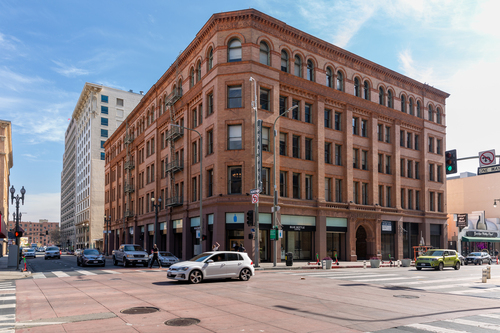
column 478, row 254
column 52, row 249
column 91, row 252
column 433, row 253
column 29, row 250
column 201, row 257
column 132, row 248
column 166, row 254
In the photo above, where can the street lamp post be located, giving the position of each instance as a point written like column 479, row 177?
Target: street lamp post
column 275, row 198
column 85, row 229
column 201, row 182
column 156, row 207
column 17, row 215
column 106, row 222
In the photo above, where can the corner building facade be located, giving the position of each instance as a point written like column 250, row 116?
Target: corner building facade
column 359, row 162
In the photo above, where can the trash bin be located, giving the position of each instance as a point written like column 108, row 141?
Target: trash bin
column 289, row 258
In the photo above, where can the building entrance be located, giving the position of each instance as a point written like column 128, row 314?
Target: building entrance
column 361, row 243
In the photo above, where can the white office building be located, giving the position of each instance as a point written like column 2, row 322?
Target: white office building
column 98, row 113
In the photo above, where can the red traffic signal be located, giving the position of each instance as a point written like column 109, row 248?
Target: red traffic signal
column 19, row 234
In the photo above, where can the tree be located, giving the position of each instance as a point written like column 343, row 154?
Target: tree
column 55, row 236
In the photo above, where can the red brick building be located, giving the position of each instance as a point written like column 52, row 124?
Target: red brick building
column 37, row 232
column 359, row 162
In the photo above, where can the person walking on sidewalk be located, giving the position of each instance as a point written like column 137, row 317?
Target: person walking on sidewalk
column 155, row 257
column 215, row 247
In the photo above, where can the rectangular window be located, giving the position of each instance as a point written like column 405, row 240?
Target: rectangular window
column 402, row 167
column 296, row 185
column 417, row 170
column 328, row 153
column 388, row 196
column 439, row 147
column 364, row 160
column 403, row 200
column 338, row 190
column 328, row 189
column 439, row 172
column 265, row 181
column 402, row 138
column 355, row 126
column 409, row 141
column 409, row 169
column 234, row 97
column 195, row 152
column 431, row 145
column 104, row 109
column 119, row 102
column 440, row 202
column 364, row 193
column 388, row 134
column 328, row 118
column 283, row 184
column 338, row 154
column 103, row 156
column 210, row 104
column 234, row 180
column 283, row 105
column 104, row 133
column 195, row 117
column 380, row 163
column 417, row 142
column 104, row 121
column 234, row 137
column 338, row 121
column 410, row 199
column 355, row 158
column 296, row 146
column 200, row 114
column 102, row 144
column 381, row 195
column 265, row 138
column 417, row 200
column 308, row 148
column 431, row 201
column 265, row 95
column 104, row 99
column 309, row 189
column 296, row 111
column 364, row 128
column 283, row 147
column 308, row 113
column 210, row 142
column 431, row 172
column 194, row 183
column 355, row 192
column 388, row 165
column 380, row 132
column 210, row 190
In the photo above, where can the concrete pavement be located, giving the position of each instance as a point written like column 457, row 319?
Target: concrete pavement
column 11, row 273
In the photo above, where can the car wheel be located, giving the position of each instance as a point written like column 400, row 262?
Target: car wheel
column 489, row 262
column 457, row 266
column 115, row 262
column 195, row 276
column 465, row 263
column 245, row 274
column 440, row 266
column 103, row 265
column 475, row 262
column 419, row 268
column 125, row 263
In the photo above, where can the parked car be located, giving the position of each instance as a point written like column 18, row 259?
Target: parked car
column 29, row 252
column 166, row 259
column 478, row 258
column 438, row 259
column 90, row 257
column 77, row 252
column 52, row 252
column 130, row 254
column 213, row 265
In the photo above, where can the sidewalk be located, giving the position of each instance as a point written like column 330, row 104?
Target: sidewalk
column 11, row 273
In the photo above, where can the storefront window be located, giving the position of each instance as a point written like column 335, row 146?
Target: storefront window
column 299, row 243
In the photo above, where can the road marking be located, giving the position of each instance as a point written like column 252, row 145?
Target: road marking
column 8, row 298
column 473, row 291
column 491, row 315
column 474, row 324
column 60, row 274
column 357, row 276
column 110, row 271
column 7, row 306
column 7, row 289
column 445, row 286
column 86, row 273
column 38, row 276
column 434, row 281
column 384, row 279
column 434, row 329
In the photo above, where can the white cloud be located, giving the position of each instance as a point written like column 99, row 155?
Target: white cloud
column 69, row 70
column 41, row 206
column 10, row 80
column 416, row 72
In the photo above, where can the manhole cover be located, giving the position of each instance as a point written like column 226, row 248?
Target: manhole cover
column 140, row 310
column 182, row 322
column 406, row 296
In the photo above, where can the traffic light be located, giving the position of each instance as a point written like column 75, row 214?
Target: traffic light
column 451, row 161
column 250, row 236
column 203, row 237
column 19, row 234
column 250, row 218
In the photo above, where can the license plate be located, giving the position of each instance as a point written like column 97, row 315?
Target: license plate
column 95, row 261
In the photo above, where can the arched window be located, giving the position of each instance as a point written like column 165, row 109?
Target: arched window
column 403, row 103
column 329, row 77
column 366, row 90
column 264, row 53
column 198, row 72
column 390, row 99
column 412, row 107
column 357, row 92
column 340, row 81
column 180, row 87
column 381, row 96
column 298, row 66
column 431, row 113
column 152, row 114
column 210, row 59
column 284, row 61
column 419, row 110
column 234, row 50
column 191, row 78
column 438, row 116
column 310, row 70
column 174, row 88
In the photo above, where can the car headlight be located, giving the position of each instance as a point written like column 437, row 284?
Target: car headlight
column 434, row 259
column 183, row 268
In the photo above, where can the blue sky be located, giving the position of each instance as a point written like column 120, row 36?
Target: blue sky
column 49, row 49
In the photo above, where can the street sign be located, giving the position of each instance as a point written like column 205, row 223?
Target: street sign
column 280, row 233
column 489, row 169
column 277, row 209
column 273, row 234
column 255, row 198
column 255, row 191
column 487, row 158
column 198, row 235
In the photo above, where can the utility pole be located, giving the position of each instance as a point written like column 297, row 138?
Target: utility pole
column 258, row 158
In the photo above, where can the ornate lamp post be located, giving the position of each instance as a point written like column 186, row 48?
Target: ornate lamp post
column 17, row 215
column 107, row 221
column 156, row 207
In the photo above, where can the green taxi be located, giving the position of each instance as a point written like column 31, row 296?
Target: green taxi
column 438, row 259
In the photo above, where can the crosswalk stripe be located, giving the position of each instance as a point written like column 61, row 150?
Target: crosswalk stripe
column 7, row 306
column 7, row 289
column 434, row 329
column 474, row 323
column 7, row 298
column 490, row 315
column 110, row 272
column 60, row 274
column 86, row 273
column 384, row 279
column 434, row 281
column 358, row 276
column 38, row 276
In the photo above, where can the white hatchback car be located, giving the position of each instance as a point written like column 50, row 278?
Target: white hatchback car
column 213, row 265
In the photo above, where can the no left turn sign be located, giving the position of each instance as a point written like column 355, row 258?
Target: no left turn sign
column 255, row 198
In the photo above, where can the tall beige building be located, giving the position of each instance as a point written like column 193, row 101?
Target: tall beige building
column 6, row 163
column 98, row 112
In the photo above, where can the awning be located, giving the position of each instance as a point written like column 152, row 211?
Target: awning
column 481, row 239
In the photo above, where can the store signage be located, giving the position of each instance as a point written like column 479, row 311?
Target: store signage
column 481, row 233
column 387, row 226
column 462, row 220
column 297, row 227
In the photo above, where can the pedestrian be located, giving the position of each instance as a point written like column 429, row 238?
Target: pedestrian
column 155, row 257
column 215, row 247
column 241, row 248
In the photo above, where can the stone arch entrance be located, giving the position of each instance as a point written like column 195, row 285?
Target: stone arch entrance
column 361, row 244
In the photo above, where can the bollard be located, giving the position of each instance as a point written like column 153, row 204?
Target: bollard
column 399, row 262
column 485, row 275
column 488, row 269
column 364, row 263
column 323, row 263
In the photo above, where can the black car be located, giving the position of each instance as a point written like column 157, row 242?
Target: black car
column 478, row 258
column 90, row 257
